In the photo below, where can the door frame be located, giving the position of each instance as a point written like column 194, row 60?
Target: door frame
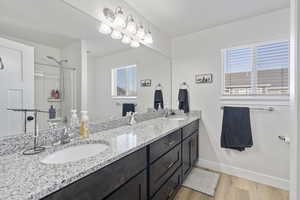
column 295, row 100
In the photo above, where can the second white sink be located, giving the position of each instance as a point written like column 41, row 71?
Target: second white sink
column 74, row 153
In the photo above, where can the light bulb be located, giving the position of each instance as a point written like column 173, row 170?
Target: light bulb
column 126, row 39
column 134, row 44
column 119, row 21
column 148, row 38
column 131, row 26
column 141, row 32
column 116, row 35
column 104, row 29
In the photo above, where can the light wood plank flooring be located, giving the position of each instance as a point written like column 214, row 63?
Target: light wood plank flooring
column 234, row 188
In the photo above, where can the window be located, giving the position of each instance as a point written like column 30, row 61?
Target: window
column 257, row 70
column 124, row 82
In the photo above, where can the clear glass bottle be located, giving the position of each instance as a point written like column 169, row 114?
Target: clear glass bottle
column 74, row 122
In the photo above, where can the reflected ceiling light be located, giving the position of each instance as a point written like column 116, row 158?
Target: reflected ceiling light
column 117, row 35
column 134, row 44
column 121, row 26
column 148, row 38
column 120, row 19
column 141, row 32
column 105, row 29
column 131, row 26
column 126, row 39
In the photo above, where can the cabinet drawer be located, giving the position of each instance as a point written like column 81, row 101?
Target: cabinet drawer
column 135, row 189
column 169, row 189
column 163, row 145
column 103, row 182
column 190, row 129
column 163, row 168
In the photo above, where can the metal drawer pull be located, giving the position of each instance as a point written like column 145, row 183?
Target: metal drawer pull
column 170, row 143
column 171, row 164
column 1, row 64
column 170, row 194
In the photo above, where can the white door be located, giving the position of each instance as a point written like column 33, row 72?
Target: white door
column 16, row 85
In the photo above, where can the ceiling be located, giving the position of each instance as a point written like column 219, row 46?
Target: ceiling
column 181, row 17
column 53, row 23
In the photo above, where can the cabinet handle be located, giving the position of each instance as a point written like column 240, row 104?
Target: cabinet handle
column 1, row 64
column 170, row 143
column 171, row 164
column 170, row 194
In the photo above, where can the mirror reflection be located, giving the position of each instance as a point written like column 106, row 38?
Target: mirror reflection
column 62, row 70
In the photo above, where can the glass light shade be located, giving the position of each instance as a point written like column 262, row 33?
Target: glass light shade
column 120, row 21
column 148, row 38
column 126, row 39
column 131, row 27
column 104, row 29
column 134, row 44
column 117, row 35
column 141, row 32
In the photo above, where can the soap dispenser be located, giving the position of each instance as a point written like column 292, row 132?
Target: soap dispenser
column 84, row 126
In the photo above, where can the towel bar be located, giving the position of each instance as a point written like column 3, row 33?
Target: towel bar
column 266, row 109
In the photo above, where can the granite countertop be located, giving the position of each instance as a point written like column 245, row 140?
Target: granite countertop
column 25, row 177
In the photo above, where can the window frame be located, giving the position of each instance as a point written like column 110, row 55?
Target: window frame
column 114, row 82
column 255, row 99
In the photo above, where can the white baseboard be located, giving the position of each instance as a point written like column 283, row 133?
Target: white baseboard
column 244, row 173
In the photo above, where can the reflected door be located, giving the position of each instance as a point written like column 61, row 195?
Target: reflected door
column 16, row 85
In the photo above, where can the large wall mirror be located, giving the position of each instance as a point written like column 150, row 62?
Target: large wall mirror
column 66, row 64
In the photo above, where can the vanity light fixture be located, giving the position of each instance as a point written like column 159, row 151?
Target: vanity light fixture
column 140, row 32
column 120, row 19
column 126, row 39
column 131, row 26
column 134, row 44
column 120, row 26
column 148, row 38
column 117, row 35
column 1, row 64
column 105, row 29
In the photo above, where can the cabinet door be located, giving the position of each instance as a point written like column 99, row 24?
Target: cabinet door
column 194, row 148
column 135, row 189
column 189, row 153
column 186, row 157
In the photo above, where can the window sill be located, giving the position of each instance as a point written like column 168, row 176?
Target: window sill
column 256, row 100
column 123, row 97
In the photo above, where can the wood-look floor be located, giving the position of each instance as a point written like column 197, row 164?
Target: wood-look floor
column 234, row 188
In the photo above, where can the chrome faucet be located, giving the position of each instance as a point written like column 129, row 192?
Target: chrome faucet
column 65, row 136
column 132, row 120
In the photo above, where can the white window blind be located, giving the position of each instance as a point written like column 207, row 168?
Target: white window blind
column 124, row 81
column 258, row 70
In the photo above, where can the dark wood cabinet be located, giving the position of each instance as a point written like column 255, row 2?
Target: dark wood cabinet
column 135, row 189
column 190, row 153
column 98, row 185
column 169, row 189
column 155, row 172
column 163, row 168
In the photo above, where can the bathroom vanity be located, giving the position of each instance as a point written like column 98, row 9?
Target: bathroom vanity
column 155, row 171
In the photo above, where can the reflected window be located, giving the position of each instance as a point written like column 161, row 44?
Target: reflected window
column 124, row 82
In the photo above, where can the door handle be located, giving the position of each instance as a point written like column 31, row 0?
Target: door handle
column 1, row 64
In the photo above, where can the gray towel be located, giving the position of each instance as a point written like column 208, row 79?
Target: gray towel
column 158, row 99
column 183, row 99
column 236, row 128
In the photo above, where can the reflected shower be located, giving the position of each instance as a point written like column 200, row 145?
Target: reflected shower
column 59, row 62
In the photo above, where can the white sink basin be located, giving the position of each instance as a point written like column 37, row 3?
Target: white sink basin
column 74, row 153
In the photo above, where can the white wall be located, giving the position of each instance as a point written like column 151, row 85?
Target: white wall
column 150, row 65
column 268, row 161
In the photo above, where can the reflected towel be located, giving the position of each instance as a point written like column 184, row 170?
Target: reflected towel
column 158, row 99
column 128, row 107
column 183, row 99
